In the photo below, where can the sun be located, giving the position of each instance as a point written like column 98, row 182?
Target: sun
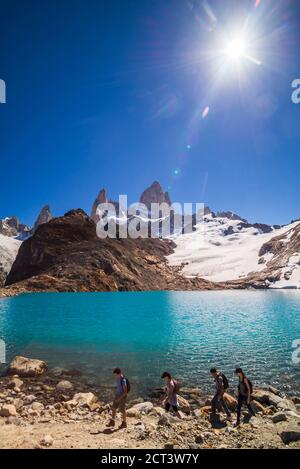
column 236, row 48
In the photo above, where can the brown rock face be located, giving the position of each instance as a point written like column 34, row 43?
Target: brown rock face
column 154, row 194
column 44, row 217
column 101, row 199
column 66, row 255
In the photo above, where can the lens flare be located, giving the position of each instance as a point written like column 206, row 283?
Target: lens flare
column 236, row 48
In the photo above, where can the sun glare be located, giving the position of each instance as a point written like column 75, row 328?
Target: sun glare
column 236, row 48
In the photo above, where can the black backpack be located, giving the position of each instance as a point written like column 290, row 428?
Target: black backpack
column 225, row 381
column 127, row 384
column 250, row 385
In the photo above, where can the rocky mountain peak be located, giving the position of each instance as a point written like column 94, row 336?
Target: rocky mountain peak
column 10, row 226
column 100, row 199
column 45, row 216
column 155, row 194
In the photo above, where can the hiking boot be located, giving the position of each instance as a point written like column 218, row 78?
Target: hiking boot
column 123, row 425
column 236, row 424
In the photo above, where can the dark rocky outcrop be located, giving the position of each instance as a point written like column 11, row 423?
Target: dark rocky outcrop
column 65, row 254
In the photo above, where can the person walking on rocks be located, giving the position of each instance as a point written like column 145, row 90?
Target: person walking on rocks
column 119, row 403
column 172, row 388
column 244, row 394
column 221, row 384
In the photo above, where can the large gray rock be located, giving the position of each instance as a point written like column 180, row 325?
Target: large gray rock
column 290, row 434
column 279, row 417
column 64, row 386
column 143, row 407
column 27, row 367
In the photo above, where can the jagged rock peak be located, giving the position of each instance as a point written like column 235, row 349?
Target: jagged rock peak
column 155, row 194
column 10, row 226
column 100, row 199
column 231, row 216
column 45, row 216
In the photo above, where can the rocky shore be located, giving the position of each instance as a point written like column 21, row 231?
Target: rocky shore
column 56, row 408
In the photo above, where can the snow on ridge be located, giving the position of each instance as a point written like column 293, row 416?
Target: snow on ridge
column 9, row 248
column 222, row 249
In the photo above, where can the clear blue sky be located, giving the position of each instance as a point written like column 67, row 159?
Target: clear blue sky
column 111, row 94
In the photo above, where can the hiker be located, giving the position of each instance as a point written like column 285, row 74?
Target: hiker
column 172, row 388
column 244, row 394
column 221, row 383
column 119, row 403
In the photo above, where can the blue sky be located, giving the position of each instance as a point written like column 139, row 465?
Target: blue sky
column 111, row 94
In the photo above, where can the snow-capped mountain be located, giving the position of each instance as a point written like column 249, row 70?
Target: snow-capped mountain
column 10, row 226
column 12, row 233
column 9, row 248
column 229, row 249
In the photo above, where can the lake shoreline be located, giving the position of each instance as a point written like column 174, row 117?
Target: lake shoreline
column 57, row 409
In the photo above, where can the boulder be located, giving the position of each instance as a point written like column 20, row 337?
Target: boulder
column 261, row 396
column 258, row 407
column 285, row 404
column 143, row 407
column 157, row 411
column 64, row 386
column 8, row 410
column 290, row 434
column 166, row 420
column 184, row 405
column 27, row 367
column 85, row 399
column 15, row 383
column 230, row 401
column 29, row 399
column 18, row 403
column 133, row 413
column 279, row 417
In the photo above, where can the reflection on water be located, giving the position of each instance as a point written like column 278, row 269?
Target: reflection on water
column 146, row 333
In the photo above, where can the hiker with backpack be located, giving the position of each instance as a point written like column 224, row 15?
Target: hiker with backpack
column 221, row 383
column 245, row 390
column 172, row 388
column 119, row 403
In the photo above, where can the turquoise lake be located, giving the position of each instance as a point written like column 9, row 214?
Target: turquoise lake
column 149, row 332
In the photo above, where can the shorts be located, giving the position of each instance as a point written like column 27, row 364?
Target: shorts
column 168, row 407
column 120, row 405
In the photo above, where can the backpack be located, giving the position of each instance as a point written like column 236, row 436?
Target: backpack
column 127, row 384
column 250, row 385
column 176, row 386
column 225, row 381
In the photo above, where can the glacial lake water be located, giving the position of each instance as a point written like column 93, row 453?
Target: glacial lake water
column 149, row 332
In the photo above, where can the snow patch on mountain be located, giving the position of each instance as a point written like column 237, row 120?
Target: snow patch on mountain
column 9, row 248
column 222, row 249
